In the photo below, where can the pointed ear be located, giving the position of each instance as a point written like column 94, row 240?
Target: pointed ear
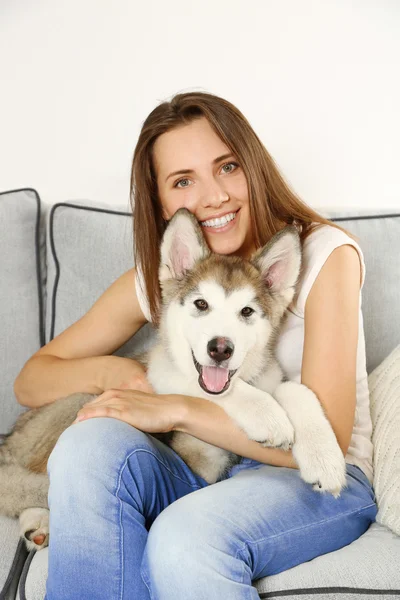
column 183, row 244
column 280, row 261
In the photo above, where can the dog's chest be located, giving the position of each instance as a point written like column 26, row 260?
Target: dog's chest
column 165, row 377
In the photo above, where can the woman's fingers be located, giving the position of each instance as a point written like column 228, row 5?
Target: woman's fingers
column 108, row 410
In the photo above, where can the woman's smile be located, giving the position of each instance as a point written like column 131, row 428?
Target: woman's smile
column 221, row 224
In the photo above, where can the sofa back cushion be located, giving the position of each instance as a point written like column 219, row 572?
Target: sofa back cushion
column 89, row 247
column 379, row 238
column 22, row 250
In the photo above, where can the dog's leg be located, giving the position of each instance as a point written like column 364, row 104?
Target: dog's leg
column 259, row 415
column 34, row 527
column 23, row 494
column 316, row 449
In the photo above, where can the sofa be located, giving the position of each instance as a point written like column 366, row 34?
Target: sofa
column 57, row 260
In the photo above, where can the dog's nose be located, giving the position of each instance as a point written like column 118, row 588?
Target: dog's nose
column 220, row 348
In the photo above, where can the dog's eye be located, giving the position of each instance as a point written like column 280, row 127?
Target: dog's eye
column 247, row 311
column 201, row 304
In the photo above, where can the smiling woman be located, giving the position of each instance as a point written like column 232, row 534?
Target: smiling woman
column 137, row 506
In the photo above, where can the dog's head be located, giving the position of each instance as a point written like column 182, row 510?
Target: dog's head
column 221, row 314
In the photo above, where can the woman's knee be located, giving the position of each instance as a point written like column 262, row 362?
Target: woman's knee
column 187, row 547
column 95, row 441
column 186, row 527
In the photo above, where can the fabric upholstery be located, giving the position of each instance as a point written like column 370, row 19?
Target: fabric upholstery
column 21, row 301
column 384, row 386
column 379, row 238
column 89, row 247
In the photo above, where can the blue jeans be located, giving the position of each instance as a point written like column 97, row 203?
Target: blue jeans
column 130, row 520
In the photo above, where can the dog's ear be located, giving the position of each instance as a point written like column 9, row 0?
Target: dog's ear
column 279, row 262
column 183, row 244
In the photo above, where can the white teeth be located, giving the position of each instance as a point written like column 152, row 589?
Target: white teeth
column 219, row 222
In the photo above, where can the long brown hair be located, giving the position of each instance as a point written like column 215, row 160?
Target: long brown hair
column 272, row 203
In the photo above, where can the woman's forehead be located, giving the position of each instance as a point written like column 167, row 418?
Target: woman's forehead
column 187, row 148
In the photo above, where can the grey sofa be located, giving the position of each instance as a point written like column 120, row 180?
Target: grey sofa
column 56, row 261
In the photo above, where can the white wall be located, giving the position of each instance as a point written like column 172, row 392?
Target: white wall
column 318, row 80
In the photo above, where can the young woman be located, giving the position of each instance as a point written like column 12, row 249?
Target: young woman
column 128, row 518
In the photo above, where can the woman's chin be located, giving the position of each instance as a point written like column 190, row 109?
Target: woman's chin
column 223, row 247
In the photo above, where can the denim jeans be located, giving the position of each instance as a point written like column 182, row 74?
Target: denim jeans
column 129, row 520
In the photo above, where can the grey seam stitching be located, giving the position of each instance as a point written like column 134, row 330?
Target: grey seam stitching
column 304, row 527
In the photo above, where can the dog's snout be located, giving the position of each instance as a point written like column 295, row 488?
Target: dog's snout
column 220, row 348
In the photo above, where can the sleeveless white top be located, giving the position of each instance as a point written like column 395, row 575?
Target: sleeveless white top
column 289, row 349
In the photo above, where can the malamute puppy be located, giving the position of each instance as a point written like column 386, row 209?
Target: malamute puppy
column 220, row 319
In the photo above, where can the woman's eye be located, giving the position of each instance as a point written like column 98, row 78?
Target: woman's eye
column 180, row 181
column 247, row 311
column 201, row 304
column 231, row 163
column 176, row 185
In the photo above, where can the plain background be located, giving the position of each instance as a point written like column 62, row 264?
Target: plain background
column 318, row 80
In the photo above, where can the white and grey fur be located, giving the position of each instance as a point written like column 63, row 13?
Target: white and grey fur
column 270, row 410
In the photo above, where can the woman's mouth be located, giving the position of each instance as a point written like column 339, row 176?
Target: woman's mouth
column 222, row 224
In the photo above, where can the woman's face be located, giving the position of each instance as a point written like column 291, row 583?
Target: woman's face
column 196, row 170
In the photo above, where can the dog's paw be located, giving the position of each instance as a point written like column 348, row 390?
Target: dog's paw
column 322, row 465
column 34, row 528
column 274, row 429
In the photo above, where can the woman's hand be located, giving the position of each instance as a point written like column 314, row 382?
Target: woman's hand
column 152, row 413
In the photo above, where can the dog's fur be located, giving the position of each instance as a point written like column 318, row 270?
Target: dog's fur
column 220, row 319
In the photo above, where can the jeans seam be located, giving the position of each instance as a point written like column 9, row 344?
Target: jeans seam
column 196, row 486
column 146, row 581
column 272, row 537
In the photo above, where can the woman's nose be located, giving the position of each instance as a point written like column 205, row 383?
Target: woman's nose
column 214, row 196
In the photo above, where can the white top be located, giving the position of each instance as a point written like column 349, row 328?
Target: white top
column 289, row 349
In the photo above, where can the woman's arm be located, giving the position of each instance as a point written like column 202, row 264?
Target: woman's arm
column 331, row 324
column 328, row 366
column 207, row 421
column 77, row 359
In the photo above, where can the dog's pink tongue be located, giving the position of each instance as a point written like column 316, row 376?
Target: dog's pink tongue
column 215, row 378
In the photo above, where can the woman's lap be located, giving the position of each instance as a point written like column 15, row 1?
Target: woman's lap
column 258, row 521
column 264, row 515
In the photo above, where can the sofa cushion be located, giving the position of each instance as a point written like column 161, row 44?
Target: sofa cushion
column 89, row 247
column 368, row 567
column 384, row 386
column 32, row 584
column 22, row 250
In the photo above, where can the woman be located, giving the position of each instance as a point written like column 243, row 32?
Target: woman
column 128, row 518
